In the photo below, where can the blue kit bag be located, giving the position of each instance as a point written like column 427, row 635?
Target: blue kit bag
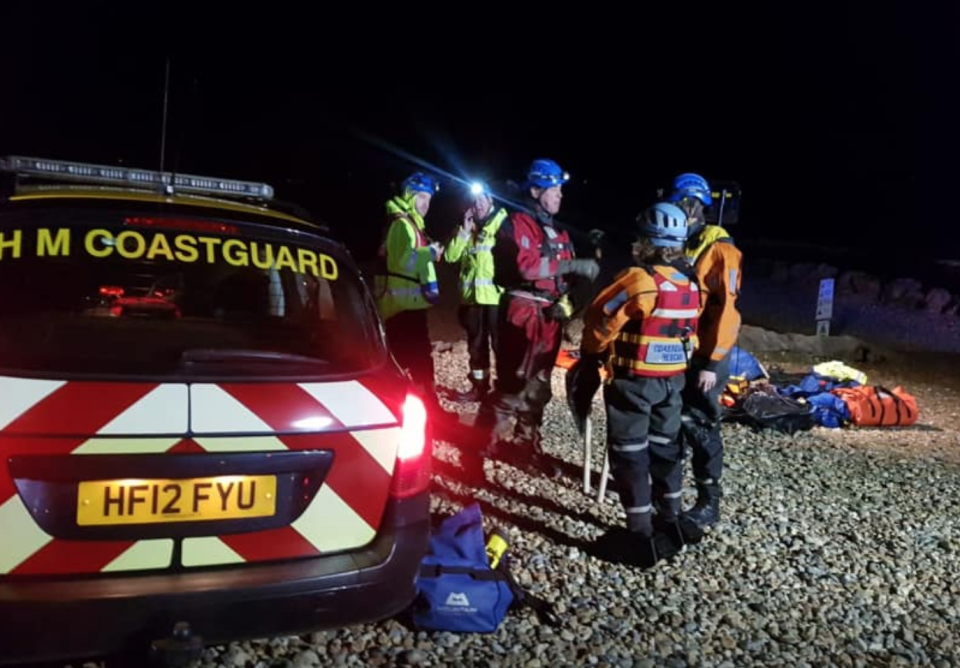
column 456, row 588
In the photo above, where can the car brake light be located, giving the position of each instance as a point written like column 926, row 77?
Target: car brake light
column 412, row 474
column 413, row 436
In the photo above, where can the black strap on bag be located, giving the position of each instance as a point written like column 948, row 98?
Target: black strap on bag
column 898, row 402
column 521, row 598
column 481, row 574
column 524, row 599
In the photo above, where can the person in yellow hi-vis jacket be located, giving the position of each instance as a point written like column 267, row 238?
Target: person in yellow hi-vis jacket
column 406, row 285
column 472, row 247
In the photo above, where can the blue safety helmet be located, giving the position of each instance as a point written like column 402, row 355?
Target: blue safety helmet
column 421, row 183
column 545, row 173
column 691, row 185
column 664, row 224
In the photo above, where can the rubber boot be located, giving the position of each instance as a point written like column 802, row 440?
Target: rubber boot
column 668, row 535
column 500, row 423
column 528, row 442
column 479, row 387
column 642, row 545
column 645, row 551
column 706, row 511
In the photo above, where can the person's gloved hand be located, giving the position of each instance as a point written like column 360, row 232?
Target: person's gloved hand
column 591, row 363
column 706, row 380
column 581, row 267
column 561, row 310
column 436, row 250
column 596, row 360
column 431, row 293
column 582, row 382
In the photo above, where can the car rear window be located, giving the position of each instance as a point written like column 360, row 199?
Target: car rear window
column 145, row 294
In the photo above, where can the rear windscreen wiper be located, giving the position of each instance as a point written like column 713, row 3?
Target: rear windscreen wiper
column 209, row 356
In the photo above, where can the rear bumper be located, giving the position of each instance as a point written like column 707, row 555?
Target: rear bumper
column 49, row 620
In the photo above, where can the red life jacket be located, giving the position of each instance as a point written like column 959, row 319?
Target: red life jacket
column 551, row 244
column 660, row 344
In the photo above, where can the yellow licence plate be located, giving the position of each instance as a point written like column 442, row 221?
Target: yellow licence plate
column 137, row 501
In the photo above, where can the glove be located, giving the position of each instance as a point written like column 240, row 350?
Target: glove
column 560, row 310
column 706, row 380
column 595, row 360
column 581, row 267
column 582, row 382
column 430, row 293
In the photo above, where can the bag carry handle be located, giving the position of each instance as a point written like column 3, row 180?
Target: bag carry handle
column 898, row 401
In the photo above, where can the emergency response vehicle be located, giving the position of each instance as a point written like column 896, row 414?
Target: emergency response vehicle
column 202, row 432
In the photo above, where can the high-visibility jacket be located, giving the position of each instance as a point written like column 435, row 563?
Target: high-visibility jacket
column 474, row 252
column 717, row 263
column 647, row 320
column 408, row 278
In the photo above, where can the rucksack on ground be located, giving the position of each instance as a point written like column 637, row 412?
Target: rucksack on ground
column 456, row 588
column 764, row 410
column 458, row 591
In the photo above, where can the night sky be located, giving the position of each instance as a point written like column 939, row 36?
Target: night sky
column 815, row 113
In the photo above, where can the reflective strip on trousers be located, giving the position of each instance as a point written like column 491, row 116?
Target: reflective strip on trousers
column 639, row 510
column 632, row 447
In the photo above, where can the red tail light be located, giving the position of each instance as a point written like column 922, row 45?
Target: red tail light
column 412, row 474
column 413, row 437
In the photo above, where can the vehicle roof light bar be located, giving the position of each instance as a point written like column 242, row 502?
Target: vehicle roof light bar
column 166, row 182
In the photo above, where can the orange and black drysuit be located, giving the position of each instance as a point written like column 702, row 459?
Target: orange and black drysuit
column 717, row 262
column 645, row 326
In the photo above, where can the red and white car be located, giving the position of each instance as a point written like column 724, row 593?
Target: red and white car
column 239, row 457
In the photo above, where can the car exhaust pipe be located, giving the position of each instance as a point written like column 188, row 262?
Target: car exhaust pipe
column 180, row 649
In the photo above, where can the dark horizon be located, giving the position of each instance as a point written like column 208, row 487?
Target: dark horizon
column 815, row 119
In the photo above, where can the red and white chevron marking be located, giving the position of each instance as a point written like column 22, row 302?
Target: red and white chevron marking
column 93, row 418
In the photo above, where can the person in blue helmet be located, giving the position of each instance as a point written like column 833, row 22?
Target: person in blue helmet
column 406, row 285
column 534, row 261
column 717, row 262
